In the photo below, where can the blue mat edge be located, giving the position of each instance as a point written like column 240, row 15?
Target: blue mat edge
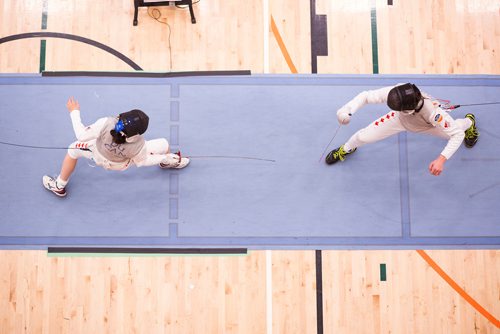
column 405, row 242
column 320, row 79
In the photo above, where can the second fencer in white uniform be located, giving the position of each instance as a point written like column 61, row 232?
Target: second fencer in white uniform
column 114, row 143
column 411, row 111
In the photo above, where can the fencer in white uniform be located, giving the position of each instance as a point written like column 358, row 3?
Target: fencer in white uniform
column 114, row 143
column 411, row 110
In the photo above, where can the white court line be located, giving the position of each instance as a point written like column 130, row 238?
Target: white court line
column 269, row 264
column 266, row 17
column 269, row 292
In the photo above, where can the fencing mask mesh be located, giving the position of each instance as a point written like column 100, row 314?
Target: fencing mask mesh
column 404, row 98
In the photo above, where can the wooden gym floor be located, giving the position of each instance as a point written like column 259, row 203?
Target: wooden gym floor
column 405, row 291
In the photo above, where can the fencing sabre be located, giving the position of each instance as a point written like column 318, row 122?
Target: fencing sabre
column 334, row 135
column 449, row 106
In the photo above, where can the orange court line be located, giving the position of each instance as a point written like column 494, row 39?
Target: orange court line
column 458, row 289
column 282, row 46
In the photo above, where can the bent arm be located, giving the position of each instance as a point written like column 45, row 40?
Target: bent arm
column 453, row 144
column 367, row 97
column 442, row 119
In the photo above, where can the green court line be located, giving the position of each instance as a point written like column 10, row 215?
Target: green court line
column 383, row 273
column 43, row 43
column 140, row 255
column 43, row 47
column 374, row 39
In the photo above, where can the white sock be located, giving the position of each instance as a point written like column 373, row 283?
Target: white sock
column 469, row 123
column 61, row 183
column 347, row 148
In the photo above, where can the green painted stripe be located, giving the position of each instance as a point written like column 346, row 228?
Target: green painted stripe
column 45, row 13
column 383, row 273
column 43, row 47
column 43, row 43
column 374, row 40
column 138, row 255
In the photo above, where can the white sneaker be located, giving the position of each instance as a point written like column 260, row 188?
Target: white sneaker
column 51, row 184
column 174, row 161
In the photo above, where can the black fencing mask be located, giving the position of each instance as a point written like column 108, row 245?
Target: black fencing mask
column 406, row 97
column 133, row 122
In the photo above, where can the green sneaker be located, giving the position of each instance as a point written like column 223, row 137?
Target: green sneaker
column 471, row 134
column 337, row 155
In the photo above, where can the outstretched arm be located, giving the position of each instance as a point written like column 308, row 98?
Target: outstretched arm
column 82, row 132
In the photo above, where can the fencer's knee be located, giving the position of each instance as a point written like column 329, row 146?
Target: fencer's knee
column 164, row 143
column 160, row 141
column 72, row 151
column 157, row 146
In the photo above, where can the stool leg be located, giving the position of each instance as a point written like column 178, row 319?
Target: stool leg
column 136, row 10
column 191, row 12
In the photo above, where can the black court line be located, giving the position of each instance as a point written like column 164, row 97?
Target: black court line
column 319, row 37
column 142, row 74
column 319, row 292
column 73, row 38
column 132, row 250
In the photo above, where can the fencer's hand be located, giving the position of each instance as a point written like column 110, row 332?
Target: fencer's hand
column 344, row 116
column 72, row 104
column 437, row 166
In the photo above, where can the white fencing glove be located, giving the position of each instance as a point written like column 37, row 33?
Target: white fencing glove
column 344, row 115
